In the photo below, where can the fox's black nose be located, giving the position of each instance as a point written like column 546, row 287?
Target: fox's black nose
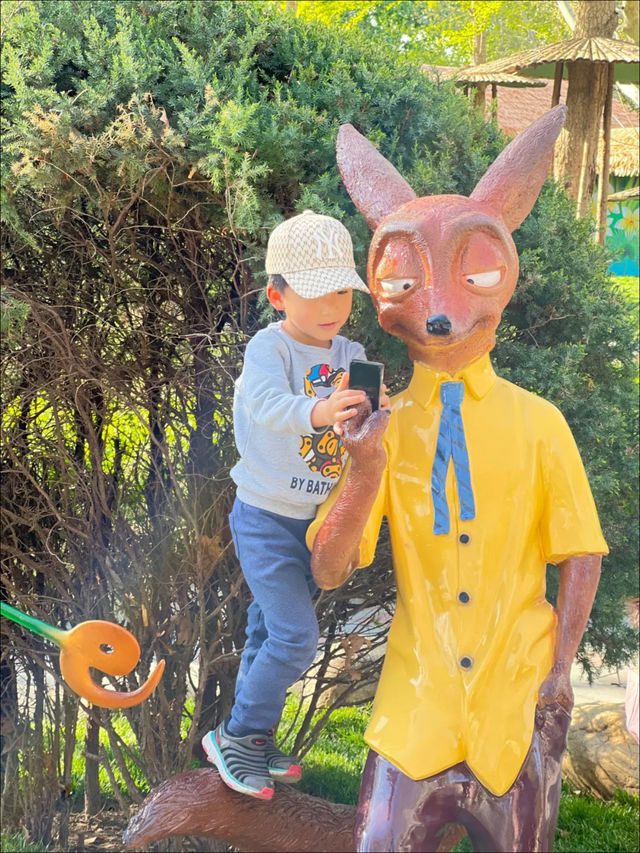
column 439, row 324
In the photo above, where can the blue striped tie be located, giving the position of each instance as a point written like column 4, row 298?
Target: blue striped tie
column 451, row 443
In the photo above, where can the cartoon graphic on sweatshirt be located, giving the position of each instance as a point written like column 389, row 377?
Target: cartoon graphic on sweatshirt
column 323, row 451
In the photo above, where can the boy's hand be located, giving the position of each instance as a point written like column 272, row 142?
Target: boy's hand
column 385, row 405
column 338, row 407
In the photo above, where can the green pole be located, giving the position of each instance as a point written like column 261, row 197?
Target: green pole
column 56, row 635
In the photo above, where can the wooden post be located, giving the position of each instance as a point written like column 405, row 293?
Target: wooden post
column 583, row 177
column 557, row 83
column 494, row 101
column 479, row 99
column 603, row 185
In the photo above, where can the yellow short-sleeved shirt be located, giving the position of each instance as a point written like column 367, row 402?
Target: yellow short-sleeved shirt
column 472, row 636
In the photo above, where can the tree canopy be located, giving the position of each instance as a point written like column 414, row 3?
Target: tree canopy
column 444, row 32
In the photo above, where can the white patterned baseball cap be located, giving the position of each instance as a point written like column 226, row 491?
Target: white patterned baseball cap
column 314, row 254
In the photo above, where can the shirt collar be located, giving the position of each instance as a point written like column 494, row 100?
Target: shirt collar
column 479, row 378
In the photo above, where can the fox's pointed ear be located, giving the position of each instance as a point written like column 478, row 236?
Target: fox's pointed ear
column 513, row 182
column 375, row 186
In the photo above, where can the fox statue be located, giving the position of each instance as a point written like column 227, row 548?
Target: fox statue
column 482, row 486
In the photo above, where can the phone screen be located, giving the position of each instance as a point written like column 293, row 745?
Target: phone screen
column 367, row 376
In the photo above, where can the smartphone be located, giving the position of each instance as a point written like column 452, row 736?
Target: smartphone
column 367, row 376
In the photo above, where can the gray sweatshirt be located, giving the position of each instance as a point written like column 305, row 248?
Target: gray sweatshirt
column 286, row 466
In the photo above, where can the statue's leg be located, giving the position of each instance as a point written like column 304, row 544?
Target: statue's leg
column 396, row 813
column 524, row 819
column 399, row 814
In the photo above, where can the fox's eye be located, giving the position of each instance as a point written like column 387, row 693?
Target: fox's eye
column 483, row 279
column 391, row 286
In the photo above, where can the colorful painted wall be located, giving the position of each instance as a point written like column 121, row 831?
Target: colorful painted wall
column 622, row 227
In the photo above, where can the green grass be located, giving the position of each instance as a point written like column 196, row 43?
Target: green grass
column 333, row 767
column 334, row 764
column 585, row 823
column 122, row 727
column 629, row 285
column 17, row 843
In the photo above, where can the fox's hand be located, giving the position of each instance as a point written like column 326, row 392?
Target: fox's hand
column 362, row 432
column 336, row 548
column 556, row 689
column 362, row 435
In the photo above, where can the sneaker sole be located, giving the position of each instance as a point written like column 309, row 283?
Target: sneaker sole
column 215, row 757
column 291, row 776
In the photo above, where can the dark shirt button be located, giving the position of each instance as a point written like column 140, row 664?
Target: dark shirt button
column 463, row 597
column 466, row 663
column 464, row 538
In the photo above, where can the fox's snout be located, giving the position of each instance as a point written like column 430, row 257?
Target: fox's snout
column 439, row 324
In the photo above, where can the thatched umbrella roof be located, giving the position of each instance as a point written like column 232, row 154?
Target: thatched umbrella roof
column 465, row 77
column 625, row 195
column 624, row 156
column 473, row 81
column 541, row 61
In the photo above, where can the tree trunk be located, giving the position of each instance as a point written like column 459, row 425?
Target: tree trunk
column 629, row 25
column 92, row 799
column 480, row 56
column 586, row 95
column 8, row 738
column 70, row 711
column 8, row 713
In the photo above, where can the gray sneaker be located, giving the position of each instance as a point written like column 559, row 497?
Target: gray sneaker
column 282, row 767
column 240, row 761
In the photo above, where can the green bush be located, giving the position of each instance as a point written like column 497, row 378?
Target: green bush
column 149, row 148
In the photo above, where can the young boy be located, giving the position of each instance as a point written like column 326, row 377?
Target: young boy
column 292, row 389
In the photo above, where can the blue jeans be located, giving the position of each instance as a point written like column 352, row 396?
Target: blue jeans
column 282, row 629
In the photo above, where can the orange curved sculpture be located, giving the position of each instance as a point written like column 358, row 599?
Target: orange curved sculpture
column 83, row 647
column 102, row 645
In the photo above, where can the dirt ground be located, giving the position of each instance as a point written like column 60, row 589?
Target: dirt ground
column 103, row 832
